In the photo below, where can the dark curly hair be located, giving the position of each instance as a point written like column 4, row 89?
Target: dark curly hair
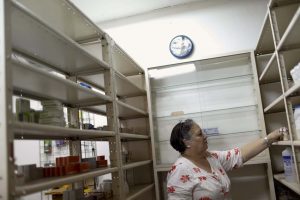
column 180, row 132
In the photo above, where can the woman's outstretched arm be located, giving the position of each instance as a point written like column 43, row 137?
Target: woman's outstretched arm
column 253, row 148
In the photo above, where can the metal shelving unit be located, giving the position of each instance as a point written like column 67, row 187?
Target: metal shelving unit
column 48, row 36
column 280, row 93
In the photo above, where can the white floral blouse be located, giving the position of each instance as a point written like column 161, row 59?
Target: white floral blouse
column 189, row 182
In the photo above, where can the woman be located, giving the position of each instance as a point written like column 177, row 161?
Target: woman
column 201, row 175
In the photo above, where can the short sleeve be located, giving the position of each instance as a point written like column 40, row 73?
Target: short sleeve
column 180, row 183
column 230, row 159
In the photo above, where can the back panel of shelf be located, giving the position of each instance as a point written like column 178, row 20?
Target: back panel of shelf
column 217, row 94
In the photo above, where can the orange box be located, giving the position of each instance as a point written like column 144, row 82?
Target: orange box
column 101, row 163
column 101, row 157
column 84, row 166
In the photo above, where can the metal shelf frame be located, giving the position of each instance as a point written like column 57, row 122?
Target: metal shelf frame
column 38, row 38
column 285, row 27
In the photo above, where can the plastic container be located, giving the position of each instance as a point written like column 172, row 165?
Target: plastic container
column 297, row 121
column 288, row 165
column 295, row 73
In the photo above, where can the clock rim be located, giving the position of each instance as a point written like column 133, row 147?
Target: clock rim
column 187, row 53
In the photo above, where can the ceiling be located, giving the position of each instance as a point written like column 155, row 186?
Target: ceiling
column 106, row 10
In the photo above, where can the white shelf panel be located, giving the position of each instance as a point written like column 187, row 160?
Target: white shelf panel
column 65, row 17
column 265, row 42
column 133, row 136
column 124, row 63
column 39, row 131
column 46, row 183
column 136, row 191
column 125, row 88
column 136, row 164
column 290, row 38
column 283, row 143
column 276, row 106
column 293, row 186
column 34, row 38
column 296, row 142
column 36, row 82
column 127, row 111
column 271, row 72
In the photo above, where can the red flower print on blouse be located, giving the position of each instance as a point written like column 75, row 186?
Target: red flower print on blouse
column 185, row 178
column 236, row 151
column 222, row 171
column 172, row 168
column 205, row 198
column 215, row 177
column 228, row 155
column 171, row 189
column 202, row 178
column 224, row 192
column 215, row 155
column 197, row 170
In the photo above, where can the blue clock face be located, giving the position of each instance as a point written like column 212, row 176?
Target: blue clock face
column 181, row 46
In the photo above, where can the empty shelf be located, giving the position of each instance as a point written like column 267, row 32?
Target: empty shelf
column 34, row 38
column 133, row 136
column 125, row 88
column 64, row 17
column 101, row 110
column 123, row 63
column 284, row 143
column 265, row 42
column 41, row 84
column 293, row 186
column 296, row 143
column 292, row 90
column 276, row 106
column 290, row 38
column 137, row 190
column 128, row 112
column 46, row 183
column 136, row 164
column 95, row 80
column 270, row 73
column 38, row 131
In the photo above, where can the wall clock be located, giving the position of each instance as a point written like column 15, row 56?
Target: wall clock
column 181, row 46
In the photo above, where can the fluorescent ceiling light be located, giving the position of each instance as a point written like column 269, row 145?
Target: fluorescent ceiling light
column 172, row 71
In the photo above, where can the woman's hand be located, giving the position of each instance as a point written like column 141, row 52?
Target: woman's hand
column 277, row 135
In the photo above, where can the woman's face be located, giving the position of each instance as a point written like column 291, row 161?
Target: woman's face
column 198, row 140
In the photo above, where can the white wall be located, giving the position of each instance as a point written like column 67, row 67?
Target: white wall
column 215, row 26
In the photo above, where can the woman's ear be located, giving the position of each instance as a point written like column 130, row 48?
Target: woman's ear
column 187, row 143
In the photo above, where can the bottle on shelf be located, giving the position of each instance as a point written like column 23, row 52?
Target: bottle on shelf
column 297, row 122
column 288, row 164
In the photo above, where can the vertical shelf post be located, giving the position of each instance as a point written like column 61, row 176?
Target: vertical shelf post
column 6, row 135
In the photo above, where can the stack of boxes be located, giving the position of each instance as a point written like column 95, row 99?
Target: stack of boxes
column 24, row 113
column 52, row 113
